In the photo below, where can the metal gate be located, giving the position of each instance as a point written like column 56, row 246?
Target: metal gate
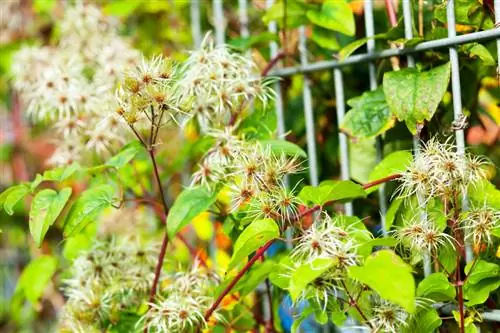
column 368, row 58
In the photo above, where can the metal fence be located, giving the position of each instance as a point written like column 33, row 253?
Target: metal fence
column 368, row 58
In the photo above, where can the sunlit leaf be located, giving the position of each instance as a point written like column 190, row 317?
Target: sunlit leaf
column 332, row 190
column 190, row 203
column 387, row 274
column 88, row 207
column 436, row 287
column 45, row 208
column 393, row 163
column 325, row 38
column 253, row 237
column 284, row 147
column 12, row 196
column 334, row 15
column 307, row 273
column 36, row 276
column 126, row 154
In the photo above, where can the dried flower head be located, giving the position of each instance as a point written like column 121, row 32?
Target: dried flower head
column 440, row 171
column 423, row 235
column 481, row 225
column 220, row 84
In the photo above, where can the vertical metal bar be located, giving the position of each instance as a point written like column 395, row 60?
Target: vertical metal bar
column 370, row 32
column 219, row 24
column 343, row 143
column 497, row 19
column 407, row 20
column 280, row 117
column 243, row 16
column 195, row 22
column 219, row 21
column 308, row 112
column 273, row 46
column 457, row 100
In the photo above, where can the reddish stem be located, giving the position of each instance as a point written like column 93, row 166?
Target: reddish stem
column 353, row 302
column 272, row 63
column 391, row 12
column 260, row 252
column 381, row 181
column 159, row 265
column 19, row 169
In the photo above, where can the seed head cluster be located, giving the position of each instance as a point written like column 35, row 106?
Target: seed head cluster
column 440, row 171
column 481, row 225
column 70, row 85
column 182, row 301
column 336, row 239
column 220, row 84
column 253, row 174
column 112, row 277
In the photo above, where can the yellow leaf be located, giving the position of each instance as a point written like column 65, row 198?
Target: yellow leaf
column 203, row 226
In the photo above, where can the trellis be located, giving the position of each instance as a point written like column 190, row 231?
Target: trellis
column 368, row 58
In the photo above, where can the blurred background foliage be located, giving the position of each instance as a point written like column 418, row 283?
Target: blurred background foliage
column 163, row 26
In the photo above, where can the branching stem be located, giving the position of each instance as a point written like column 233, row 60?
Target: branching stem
column 260, row 252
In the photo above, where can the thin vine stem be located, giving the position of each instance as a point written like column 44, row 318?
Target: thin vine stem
column 260, row 252
column 353, row 302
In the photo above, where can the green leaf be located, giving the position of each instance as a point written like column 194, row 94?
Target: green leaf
column 36, row 276
column 304, row 314
column 258, row 273
column 436, row 287
column 350, row 48
column 390, row 216
column 483, row 278
column 254, row 236
column 60, row 174
column 245, row 43
column 414, row 96
column 467, row 12
column 191, row 202
column 325, row 38
column 426, row 320
column 334, row 15
column 387, row 274
column 332, row 190
column 307, row 273
column 370, row 115
column 44, row 6
column 126, row 154
column 121, row 7
column 284, row 147
column 393, row 163
column 393, row 34
column 45, row 208
column 295, row 12
column 278, row 277
column 76, row 244
column 12, row 196
column 481, row 270
column 448, row 257
column 483, row 192
column 476, row 50
column 88, row 206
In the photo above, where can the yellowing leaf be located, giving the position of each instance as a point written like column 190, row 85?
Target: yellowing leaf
column 414, row 96
column 203, row 226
